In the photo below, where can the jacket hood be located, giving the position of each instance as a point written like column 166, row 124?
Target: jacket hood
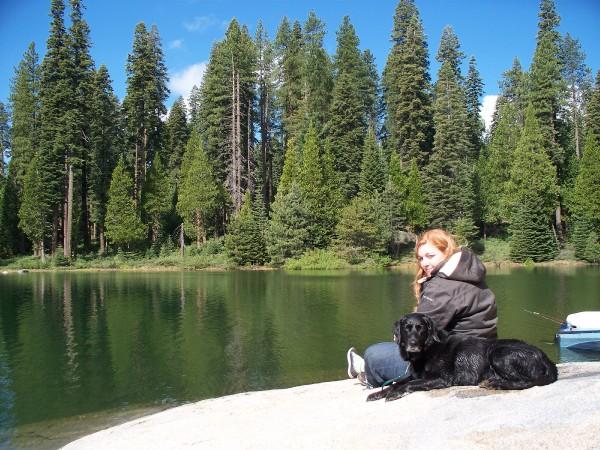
column 463, row 265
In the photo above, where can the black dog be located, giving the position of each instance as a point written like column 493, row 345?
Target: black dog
column 440, row 360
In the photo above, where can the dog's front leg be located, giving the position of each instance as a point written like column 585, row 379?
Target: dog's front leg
column 385, row 391
column 414, row 386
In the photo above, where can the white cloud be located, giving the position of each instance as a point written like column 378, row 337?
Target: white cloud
column 201, row 23
column 177, row 43
column 487, row 110
column 183, row 81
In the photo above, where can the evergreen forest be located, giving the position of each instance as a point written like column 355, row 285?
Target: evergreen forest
column 287, row 153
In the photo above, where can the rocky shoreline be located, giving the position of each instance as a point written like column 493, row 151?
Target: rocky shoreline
column 335, row 415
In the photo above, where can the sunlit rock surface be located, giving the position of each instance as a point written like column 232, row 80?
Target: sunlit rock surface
column 335, row 415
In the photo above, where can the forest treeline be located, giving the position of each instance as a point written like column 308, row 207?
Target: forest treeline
column 284, row 148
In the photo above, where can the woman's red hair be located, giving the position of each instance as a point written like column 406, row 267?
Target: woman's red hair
column 440, row 239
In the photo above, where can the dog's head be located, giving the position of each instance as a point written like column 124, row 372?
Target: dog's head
column 414, row 334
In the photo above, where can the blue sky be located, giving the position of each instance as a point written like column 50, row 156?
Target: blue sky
column 493, row 31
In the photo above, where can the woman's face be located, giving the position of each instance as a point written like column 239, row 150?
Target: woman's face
column 429, row 256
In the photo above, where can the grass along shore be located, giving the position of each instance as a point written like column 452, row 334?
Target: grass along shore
column 212, row 256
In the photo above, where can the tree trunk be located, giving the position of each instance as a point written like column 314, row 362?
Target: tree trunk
column 559, row 227
column 181, row 241
column 85, row 222
column 68, row 225
column 102, row 238
column 576, row 121
column 249, row 150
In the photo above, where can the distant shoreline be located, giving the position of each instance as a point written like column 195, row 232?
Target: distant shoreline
column 394, row 267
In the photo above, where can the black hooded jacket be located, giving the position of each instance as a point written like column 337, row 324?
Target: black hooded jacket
column 457, row 298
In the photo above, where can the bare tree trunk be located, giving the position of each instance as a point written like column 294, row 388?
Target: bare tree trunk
column 136, row 175
column 559, row 227
column 249, row 149
column 85, row 222
column 102, row 239
column 55, row 225
column 41, row 250
column 68, row 225
column 238, row 146
column 576, row 120
column 181, row 241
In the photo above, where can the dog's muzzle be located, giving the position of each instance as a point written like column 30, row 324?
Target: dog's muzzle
column 413, row 348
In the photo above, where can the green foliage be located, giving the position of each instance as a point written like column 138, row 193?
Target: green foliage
column 372, row 172
column 319, row 189
column 245, row 240
column 582, row 229
column 448, row 174
column 407, row 87
column 494, row 249
column 531, row 236
column 533, row 193
column 25, row 106
column 592, row 248
column 157, row 199
column 288, row 232
column 362, row 226
column 35, row 212
column 178, row 133
column 474, row 92
column 8, row 217
column 124, row 227
column 291, row 168
column 546, row 80
column 199, row 193
column 585, row 194
column 317, row 259
column 464, row 231
column 592, row 117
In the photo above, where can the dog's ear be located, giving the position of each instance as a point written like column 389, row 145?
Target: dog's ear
column 396, row 331
column 432, row 331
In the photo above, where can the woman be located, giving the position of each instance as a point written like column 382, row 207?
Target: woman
column 450, row 288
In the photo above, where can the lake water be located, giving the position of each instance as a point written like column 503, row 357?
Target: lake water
column 82, row 351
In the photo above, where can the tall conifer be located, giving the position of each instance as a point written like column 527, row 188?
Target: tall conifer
column 407, row 87
column 533, row 194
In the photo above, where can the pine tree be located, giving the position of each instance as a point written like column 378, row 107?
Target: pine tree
column 288, row 233
column 270, row 148
column 226, row 110
column 124, row 227
column 578, row 80
column 9, row 235
column 533, row 193
column 372, row 173
column 35, row 208
column 348, row 114
column 25, row 107
column 105, row 140
column 474, row 91
column 586, row 199
column 199, row 194
column 407, row 87
column 157, row 199
column 546, row 80
column 144, row 100
column 317, row 73
column 4, row 138
column 449, row 52
column 582, row 229
column 592, row 117
column 56, row 98
column 245, row 241
column 319, row 190
column 178, row 133
column 290, row 54
column 415, row 203
column 363, row 229
column 449, row 177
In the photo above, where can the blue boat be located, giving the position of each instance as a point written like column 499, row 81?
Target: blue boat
column 580, row 331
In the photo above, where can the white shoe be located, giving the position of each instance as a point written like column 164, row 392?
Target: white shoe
column 356, row 364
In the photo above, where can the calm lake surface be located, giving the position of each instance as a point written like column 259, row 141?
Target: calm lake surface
column 82, row 351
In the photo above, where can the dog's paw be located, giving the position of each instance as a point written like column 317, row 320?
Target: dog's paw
column 376, row 396
column 395, row 395
column 487, row 384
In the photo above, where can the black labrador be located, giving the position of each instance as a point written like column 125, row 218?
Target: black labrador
column 440, row 360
